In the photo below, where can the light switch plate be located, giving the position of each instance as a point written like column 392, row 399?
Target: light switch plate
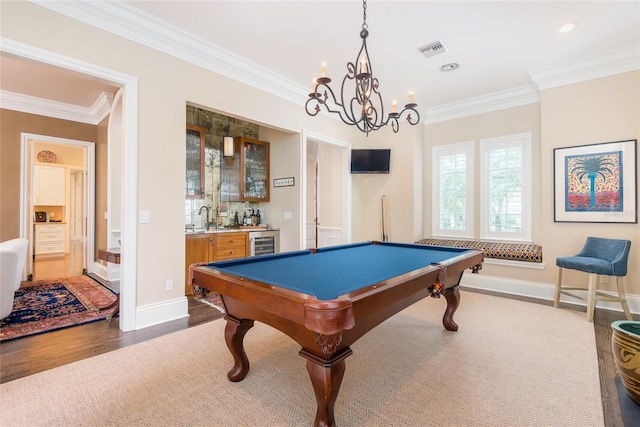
column 144, row 217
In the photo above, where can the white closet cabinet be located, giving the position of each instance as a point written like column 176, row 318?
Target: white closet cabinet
column 49, row 238
column 50, row 186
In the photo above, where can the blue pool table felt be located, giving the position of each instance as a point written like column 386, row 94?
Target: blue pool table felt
column 338, row 270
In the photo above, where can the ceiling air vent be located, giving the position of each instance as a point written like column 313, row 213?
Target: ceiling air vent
column 433, row 49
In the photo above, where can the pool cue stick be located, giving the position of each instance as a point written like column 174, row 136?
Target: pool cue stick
column 383, row 224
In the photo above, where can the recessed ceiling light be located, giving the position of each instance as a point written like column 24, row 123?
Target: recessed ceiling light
column 567, row 27
column 450, row 66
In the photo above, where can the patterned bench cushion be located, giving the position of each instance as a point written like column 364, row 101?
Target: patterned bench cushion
column 509, row 251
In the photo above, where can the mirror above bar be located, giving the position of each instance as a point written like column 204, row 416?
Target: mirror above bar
column 221, row 185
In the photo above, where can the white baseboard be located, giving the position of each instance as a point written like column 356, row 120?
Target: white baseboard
column 543, row 291
column 165, row 311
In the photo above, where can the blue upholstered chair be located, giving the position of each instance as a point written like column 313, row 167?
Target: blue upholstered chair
column 598, row 257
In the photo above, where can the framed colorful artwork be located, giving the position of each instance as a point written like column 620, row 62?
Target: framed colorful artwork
column 596, row 183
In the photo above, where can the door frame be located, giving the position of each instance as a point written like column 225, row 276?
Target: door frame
column 27, row 187
column 129, row 87
column 344, row 169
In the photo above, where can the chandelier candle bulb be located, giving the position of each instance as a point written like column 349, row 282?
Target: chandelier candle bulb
column 323, row 68
column 315, row 84
column 394, row 106
column 410, row 97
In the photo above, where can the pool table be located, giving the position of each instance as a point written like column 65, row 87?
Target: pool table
column 327, row 298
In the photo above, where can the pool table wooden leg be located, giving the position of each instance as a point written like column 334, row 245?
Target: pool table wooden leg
column 234, row 334
column 453, row 300
column 326, row 377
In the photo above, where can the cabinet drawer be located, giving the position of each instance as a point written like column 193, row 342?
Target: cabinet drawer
column 50, row 236
column 230, row 239
column 49, row 227
column 230, row 246
column 49, row 233
column 49, row 248
column 228, row 253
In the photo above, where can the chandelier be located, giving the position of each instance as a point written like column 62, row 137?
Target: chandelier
column 365, row 109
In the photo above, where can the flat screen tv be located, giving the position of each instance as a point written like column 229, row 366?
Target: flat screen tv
column 370, row 161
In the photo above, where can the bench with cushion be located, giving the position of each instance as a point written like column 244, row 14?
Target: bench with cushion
column 523, row 252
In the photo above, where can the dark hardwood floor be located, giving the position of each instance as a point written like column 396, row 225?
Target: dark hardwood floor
column 30, row 355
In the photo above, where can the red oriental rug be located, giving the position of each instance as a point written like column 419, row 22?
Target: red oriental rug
column 48, row 305
column 212, row 299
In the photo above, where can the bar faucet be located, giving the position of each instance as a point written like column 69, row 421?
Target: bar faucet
column 200, row 212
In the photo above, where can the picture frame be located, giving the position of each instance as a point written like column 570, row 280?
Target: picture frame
column 284, row 182
column 596, row 183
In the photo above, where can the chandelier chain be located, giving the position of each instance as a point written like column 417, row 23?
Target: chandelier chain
column 364, row 15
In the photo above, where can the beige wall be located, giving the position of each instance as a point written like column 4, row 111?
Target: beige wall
column 525, row 119
column 599, row 110
column 331, row 191
column 398, row 186
column 161, row 119
column 166, row 85
column 15, row 123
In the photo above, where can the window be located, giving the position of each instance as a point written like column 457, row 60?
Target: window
column 504, row 182
column 452, row 195
column 505, row 188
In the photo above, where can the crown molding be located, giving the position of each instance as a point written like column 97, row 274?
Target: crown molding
column 139, row 27
column 133, row 24
column 616, row 62
column 483, row 104
column 102, row 107
column 59, row 110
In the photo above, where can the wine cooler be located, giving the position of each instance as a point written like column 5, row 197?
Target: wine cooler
column 263, row 242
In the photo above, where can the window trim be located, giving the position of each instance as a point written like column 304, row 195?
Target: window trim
column 437, row 152
column 523, row 140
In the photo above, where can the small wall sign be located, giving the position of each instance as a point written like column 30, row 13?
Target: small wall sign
column 284, row 182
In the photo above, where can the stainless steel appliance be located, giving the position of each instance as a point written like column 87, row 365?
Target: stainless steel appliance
column 263, row 242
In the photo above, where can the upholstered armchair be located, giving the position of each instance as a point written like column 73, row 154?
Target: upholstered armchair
column 598, row 257
column 13, row 255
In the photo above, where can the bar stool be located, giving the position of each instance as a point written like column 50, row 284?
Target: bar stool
column 598, row 257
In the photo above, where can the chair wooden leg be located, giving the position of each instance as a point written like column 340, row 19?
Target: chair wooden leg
column 556, row 297
column 591, row 296
column 623, row 297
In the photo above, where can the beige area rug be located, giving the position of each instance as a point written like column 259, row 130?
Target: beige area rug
column 511, row 364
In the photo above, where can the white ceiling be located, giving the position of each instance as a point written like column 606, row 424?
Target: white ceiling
column 498, row 44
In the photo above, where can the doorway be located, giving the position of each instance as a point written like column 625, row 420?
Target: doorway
column 60, row 183
column 129, row 145
column 326, row 191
